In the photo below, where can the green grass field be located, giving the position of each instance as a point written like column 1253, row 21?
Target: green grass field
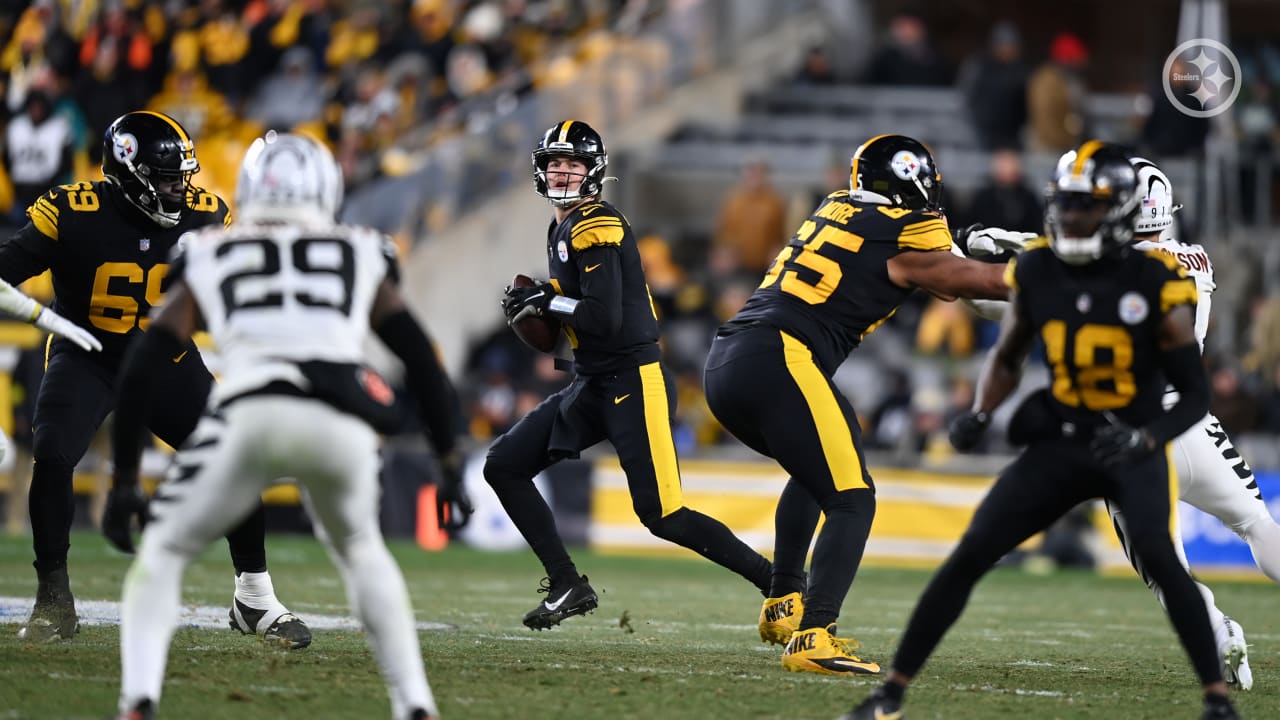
column 1069, row 645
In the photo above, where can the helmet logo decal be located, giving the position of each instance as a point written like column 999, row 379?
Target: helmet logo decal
column 124, row 146
column 1133, row 308
column 905, row 165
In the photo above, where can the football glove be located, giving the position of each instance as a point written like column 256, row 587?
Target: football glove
column 124, row 502
column 58, row 325
column 453, row 505
column 982, row 241
column 520, row 302
column 1120, row 444
column 967, row 430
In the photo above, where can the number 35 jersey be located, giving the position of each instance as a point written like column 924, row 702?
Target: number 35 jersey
column 830, row 286
column 284, row 292
column 109, row 262
column 1100, row 327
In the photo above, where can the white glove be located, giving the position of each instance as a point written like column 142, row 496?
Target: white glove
column 993, row 241
column 58, row 325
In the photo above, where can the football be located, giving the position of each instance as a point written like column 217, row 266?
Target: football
column 542, row 333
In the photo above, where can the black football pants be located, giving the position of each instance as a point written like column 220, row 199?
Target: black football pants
column 76, row 395
column 1046, row 481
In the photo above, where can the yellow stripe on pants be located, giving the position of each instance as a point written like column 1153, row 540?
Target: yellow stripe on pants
column 657, row 423
column 833, row 430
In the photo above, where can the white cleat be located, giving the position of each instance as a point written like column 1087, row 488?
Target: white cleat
column 1235, row 656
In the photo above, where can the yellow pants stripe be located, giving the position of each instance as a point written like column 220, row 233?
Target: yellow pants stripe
column 1173, row 490
column 657, row 422
column 833, row 430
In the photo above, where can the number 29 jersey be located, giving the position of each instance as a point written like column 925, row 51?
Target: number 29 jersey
column 1100, row 324
column 273, row 295
column 830, row 286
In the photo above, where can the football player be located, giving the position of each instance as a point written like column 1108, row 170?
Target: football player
column 289, row 296
column 769, row 376
column 1116, row 323
column 107, row 244
column 619, row 393
column 1211, row 474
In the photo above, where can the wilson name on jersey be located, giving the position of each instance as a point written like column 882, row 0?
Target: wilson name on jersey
column 1100, row 324
column 110, row 264
column 579, row 250
column 830, row 285
column 284, row 293
column 1195, row 261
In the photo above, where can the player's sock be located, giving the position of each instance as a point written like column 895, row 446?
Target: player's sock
column 255, row 590
column 794, row 521
column 837, row 555
column 712, row 540
column 377, row 593
column 149, row 612
column 248, row 542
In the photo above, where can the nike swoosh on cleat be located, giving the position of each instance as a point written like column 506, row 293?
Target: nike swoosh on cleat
column 847, row 665
column 589, row 268
column 556, row 605
column 881, row 715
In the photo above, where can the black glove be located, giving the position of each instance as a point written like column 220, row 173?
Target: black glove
column 453, row 506
column 527, row 300
column 1118, row 444
column 961, row 237
column 967, row 430
column 123, row 503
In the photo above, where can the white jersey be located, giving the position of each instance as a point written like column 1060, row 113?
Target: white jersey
column 273, row 295
column 1195, row 261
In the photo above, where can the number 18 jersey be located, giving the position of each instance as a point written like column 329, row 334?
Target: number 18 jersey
column 830, row 286
column 284, row 292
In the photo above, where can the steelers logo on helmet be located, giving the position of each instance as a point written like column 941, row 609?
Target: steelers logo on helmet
column 124, row 146
column 905, row 165
column 1133, row 308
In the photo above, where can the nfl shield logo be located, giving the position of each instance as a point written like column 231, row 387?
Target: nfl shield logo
column 144, row 244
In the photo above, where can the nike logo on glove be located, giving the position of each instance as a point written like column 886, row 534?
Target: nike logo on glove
column 589, row 268
column 556, row 605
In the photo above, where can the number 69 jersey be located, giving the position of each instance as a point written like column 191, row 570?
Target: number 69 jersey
column 277, row 292
column 1099, row 324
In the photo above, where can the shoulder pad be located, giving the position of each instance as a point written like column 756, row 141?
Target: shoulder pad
column 596, row 224
column 203, row 201
column 919, row 230
column 1167, row 259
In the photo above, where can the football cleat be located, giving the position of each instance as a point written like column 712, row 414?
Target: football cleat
column 1235, row 656
column 141, row 710
column 562, row 602
column 877, row 706
column 818, row 650
column 780, row 617
column 54, row 615
column 275, row 625
column 420, row 714
column 1220, row 710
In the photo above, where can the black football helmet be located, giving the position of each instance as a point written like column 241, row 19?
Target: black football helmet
column 1092, row 202
column 151, row 158
column 578, row 140
column 896, row 170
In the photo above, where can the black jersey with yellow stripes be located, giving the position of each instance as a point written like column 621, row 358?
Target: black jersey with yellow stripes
column 592, row 256
column 1100, row 324
column 830, row 286
column 108, row 260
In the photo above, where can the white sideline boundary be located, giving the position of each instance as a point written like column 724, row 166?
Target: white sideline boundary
column 15, row 610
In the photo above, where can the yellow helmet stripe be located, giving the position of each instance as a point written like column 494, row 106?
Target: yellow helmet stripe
column 853, row 169
column 564, row 131
column 1085, row 152
column 172, row 123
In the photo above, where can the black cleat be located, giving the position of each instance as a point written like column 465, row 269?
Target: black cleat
column 142, row 710
column 1219, row 710
column 876, row 707
column 420, row 714
column 286, row 630
column 562, row 602
column 54, row 615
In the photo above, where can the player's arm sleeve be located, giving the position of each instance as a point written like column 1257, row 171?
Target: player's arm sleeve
column 1180, row 358
column 425, row 378
column 145, row 358
column 599, row 310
